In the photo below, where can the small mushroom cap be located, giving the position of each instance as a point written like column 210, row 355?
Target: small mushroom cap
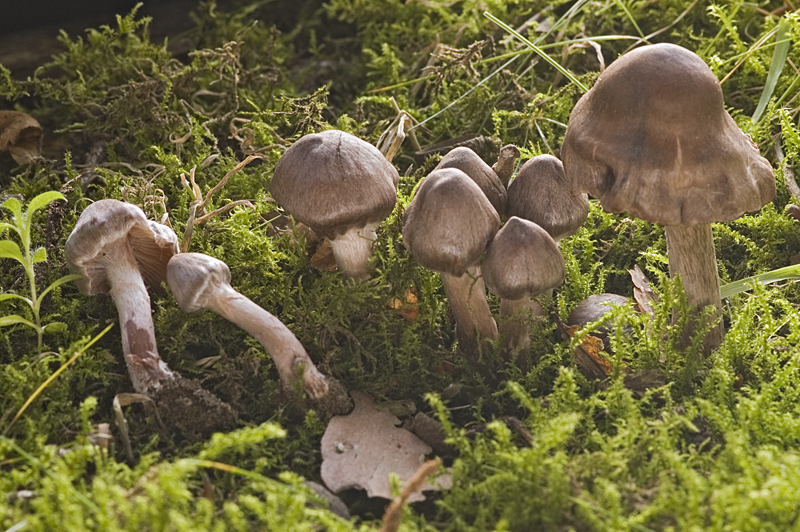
column 102, row 227
column 194, row 277
column 542, row 194
column 471, row 164
column 653, row 138
column 333, row 181
column 522, row 260
column 449, row 222
column 595, row 307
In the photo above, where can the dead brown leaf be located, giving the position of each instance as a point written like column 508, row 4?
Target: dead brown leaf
column 323, row 259
column 642, row 292
column 363, row 448
column 588, row 357
column 408, row 309
column 20, row 135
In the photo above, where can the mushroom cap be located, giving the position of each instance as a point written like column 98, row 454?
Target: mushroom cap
column 194, row 277
column 333, row 181
column 471, row 164
column 542, row 194
column 653, row 138
column 102, row 227
column 522, row 260
column 449, row 222
column 595, row 307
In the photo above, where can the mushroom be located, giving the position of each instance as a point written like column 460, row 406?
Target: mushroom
column 542, row 194
column 653, row 138
column 593, row 308
column 471, row 164
column 343, row 188
column 117, row 250
column 504, row 166
column 199, row 281
column 448, row 225
column 522, row 262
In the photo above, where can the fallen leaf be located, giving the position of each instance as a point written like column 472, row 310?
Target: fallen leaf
column 408, row 309
column 591, row 363
column 323, row 259
column 642, row 292
column 20, row 135
column 363, row 448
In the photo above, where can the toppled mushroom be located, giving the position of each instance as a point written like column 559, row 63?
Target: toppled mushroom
column 471, row 164
column 199, row 281
column 653, row 138
column 118, row 250
column 448, row 225
column 542, row 194
column 522, row 262
column 343, row 188
column 593, row 308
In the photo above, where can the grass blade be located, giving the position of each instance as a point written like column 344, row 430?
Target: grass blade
column 555, row 64
column 743, row 285
column 55, row 374
column 775, row 67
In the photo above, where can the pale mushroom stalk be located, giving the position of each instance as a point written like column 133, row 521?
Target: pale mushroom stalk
column 515, row 327
column 353, row 249
column 199, row 281
column 691, row 253
column 285, row 349
column 467, row 297
column 146, row 368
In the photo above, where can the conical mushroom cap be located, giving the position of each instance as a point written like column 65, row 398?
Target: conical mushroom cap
column 653, row 138
column 542, row 194
column 108, row 223
column 471, row 164
column 333, row 181
column 449, row 222
column 522, row 260
column 194, row 278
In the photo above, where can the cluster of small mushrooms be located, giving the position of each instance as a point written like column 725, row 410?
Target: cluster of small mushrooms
column 652, row 138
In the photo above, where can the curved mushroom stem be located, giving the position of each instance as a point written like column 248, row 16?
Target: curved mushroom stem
column 353, row 249
column 467, row 296
column 290, row 356
column 146, row 368
column 690, row 249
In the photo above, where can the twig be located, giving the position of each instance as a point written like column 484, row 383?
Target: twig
column 394, row 512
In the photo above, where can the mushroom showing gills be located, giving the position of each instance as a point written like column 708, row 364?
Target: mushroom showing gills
column 448, row 225
column 343, row 188
column 652, row 138
column 199, row 281
column 522, row 261
column 117, row 250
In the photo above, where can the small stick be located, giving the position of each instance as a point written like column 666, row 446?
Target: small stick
column 394, row 512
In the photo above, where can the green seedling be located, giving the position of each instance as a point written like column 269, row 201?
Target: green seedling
column 27, row 257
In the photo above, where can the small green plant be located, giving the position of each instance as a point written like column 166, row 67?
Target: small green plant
column 21, row 224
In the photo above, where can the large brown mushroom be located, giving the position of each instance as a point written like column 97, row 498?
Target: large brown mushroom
column 447, row 227
column 653, row 138
column 343, row 188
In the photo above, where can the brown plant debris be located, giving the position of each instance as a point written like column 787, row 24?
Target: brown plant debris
column 362, row 450
column 20, row 135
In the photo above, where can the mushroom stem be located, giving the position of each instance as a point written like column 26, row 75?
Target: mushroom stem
column 504, row 166
column 515, row 326
column 146, row 368
column 467, row 297
column 285, row 349
column 353, row 249
column 690, row 249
